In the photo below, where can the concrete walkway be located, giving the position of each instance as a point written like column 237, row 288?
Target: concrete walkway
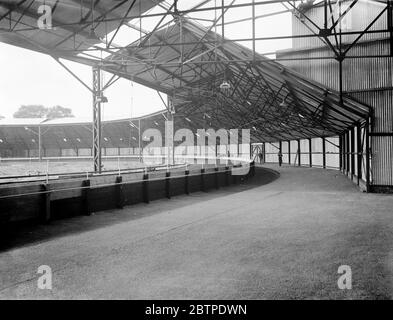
column 283, row 239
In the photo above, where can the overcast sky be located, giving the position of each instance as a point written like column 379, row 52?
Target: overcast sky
column 28, row 77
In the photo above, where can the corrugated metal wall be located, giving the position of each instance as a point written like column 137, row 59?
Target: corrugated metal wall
column 369, row 80
column 358, row 18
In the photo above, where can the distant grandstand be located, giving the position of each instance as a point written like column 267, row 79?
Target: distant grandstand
column 36, row 147
column 72, row 137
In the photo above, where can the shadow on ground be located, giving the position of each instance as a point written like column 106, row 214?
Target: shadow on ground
column 22, row 234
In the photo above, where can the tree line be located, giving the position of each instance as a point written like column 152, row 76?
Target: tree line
column 39, row 111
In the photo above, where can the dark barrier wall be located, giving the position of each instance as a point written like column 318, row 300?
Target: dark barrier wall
column 61, row 199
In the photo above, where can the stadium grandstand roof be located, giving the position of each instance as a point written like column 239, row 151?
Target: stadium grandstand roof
column 74, row 133
column 8, row 122
column 189, row 62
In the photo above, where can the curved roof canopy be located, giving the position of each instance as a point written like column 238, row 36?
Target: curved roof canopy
column 189, row 62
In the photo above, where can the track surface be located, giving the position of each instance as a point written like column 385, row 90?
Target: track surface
column 284, row 239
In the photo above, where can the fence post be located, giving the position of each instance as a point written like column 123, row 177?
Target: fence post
column 186, row 184
column 203, row 179
column 86, row 197
column 46, row 216
column 216, row 177
column 119, row 192
column 145, row 187
column 168, row 184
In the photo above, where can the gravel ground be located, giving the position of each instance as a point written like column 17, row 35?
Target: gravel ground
column 269, row 239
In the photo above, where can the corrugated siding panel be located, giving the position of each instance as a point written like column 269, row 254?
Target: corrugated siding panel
column 360, row 77
column 382, row 169
column 382, row 101
column 358, row 74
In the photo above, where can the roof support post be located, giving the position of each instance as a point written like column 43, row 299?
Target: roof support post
column 390, row 23
column 324, row 152
column 344, row 148
column 367, row 128
column 289, row 152
column 359, row 152
column 352, row 152
column 310, row 152
column 343, row 152
column 97, row 93
column 347, row 164
column 299, row 162
column 253, row 31
column 340, row 146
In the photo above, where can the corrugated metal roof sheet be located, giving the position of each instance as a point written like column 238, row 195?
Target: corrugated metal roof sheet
column 21, row 121
column 280, row 103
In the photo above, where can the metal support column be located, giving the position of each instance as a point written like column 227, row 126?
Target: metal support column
column 310, row 152
column 347, row 148
column 324, row 152
column 97, row 94
column 359, row 153
column 344, row 137
column 344, row 149
column 289, row 152
column 170, row 131
column 340, row 145
column 390, row 23
column 352, row 152
column 368, row 178
column 299, row 162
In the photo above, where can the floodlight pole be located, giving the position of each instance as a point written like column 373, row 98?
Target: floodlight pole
column 97, row 94
column 139, row 141
column 170, row 131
